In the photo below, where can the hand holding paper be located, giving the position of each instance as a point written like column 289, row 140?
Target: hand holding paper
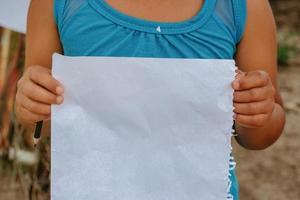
column 254, row 98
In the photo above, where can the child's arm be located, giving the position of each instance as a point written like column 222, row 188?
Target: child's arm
column 258, row 105
column 37, row 89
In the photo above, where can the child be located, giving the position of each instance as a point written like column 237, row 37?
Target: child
column 243, row 30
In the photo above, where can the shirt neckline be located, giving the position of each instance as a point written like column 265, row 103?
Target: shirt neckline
column 153, row 26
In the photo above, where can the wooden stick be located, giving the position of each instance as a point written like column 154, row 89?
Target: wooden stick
column 4, row 57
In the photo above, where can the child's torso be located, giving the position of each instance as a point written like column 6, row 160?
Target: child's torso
column 97, row 28
column 210, row 29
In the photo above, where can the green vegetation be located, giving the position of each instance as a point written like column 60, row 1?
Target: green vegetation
column 288, row 47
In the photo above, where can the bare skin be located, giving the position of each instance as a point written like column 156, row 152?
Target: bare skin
column 258, row 110
column 33, row 100
column 260, row 116
column 155, row 10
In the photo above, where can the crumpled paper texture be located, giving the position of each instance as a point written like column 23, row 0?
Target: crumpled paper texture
column 141, row 129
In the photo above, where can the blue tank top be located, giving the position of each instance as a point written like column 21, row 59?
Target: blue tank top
column 94, row 28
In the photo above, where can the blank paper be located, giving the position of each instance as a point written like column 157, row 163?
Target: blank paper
column 141, row 129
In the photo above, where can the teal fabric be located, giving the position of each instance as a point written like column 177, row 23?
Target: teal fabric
column 94, row 28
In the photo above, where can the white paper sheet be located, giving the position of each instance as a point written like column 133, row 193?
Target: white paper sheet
column 13, row 14
column 141, row 129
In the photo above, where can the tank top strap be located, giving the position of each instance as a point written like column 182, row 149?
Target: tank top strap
column 64, row 9
column 233, row 14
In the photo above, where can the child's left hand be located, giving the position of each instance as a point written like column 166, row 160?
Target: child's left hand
column 254, row 98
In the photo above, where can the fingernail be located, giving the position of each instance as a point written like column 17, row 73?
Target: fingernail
column 236, row 84
column 59, row 99
column 59, row 90
column 234, row 116
column 238, row 72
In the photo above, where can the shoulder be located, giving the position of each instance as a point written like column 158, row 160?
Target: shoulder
column 257, row 3
column 260, row 32
column 260, row 16
column 42, row 38
column 44, row 7
column 260, row 27
column 40, row 15
column 40, row 12
column 250, row 13
column 258, row 8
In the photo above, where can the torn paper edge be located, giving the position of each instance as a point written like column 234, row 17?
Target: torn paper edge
column 232, row 163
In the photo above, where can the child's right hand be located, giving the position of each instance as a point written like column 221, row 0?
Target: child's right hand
column 37, row 90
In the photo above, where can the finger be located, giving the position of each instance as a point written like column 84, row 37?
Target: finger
column 251, row 80
column 260, row 107
column 252, row 95
column 252, row 120
column 43, row 77
column 238, row 76
column 37, row 93
column 31, row 117
column 33, row 106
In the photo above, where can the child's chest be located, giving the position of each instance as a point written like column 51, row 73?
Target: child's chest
column 158, row 10
column 116, row 28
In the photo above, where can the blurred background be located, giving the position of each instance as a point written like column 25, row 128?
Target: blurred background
column 272, row 174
